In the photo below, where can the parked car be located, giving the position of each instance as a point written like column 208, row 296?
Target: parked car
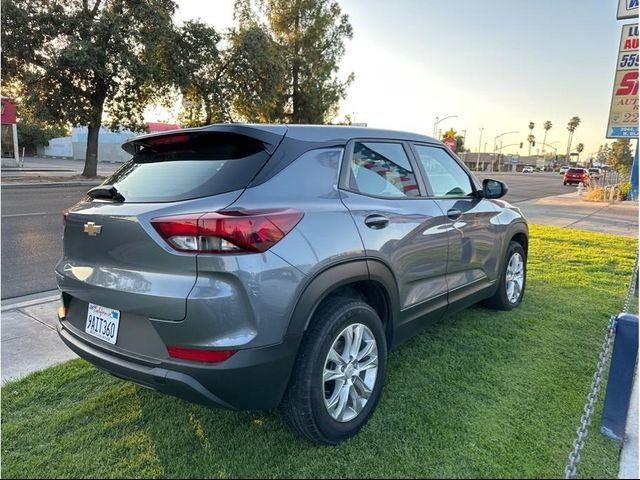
column 594, row 173
column 564, row 169
column 254, row 267
column 576, row 175
column 527, row 169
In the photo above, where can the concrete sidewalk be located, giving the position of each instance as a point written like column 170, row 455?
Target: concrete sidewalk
column 29, row 326
column 38, row 167
column 571, row 211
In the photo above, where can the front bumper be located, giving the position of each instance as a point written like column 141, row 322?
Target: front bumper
column 252, row 379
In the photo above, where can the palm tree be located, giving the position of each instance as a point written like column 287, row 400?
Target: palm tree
column 532, row 140
column 571, row 126
column 547, row 126
column 531, row 127
column 579, row 149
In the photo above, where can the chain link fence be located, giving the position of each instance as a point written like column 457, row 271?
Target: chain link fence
column 570, row 469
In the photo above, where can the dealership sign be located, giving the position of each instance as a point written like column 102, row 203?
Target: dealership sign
column 623, row 115
column 627, row 9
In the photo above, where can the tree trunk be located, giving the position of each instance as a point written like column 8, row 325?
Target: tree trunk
column 91, row 159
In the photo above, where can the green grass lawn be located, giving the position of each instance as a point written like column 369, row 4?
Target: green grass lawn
column 483, row 394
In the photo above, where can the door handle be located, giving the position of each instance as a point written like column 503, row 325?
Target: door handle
column 376, row 222
column 454, row 214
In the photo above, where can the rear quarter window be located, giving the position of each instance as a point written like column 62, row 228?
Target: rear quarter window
column 205, row 165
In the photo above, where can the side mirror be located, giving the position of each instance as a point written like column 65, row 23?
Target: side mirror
column 493, row 188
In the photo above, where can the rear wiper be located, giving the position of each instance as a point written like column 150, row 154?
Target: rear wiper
column 106, row 191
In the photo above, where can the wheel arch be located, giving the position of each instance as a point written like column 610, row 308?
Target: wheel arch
column 369, row 280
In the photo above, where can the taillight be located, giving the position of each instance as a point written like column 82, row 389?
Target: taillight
column 65, row 216
column 199, row 355
column 227, row 232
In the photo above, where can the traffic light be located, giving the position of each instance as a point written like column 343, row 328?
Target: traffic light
column 533, row 144
column 521, row 144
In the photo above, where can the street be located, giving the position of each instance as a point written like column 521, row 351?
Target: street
column 32, row 227
column 523, row 187
column 31, row 236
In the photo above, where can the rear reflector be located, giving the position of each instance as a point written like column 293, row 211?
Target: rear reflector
column 65, row 216
column 227, row 232
column 63, row 312
column 197, row 355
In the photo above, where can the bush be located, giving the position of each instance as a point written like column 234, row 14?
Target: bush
column 625, row 188
column 33, row 135
column 595, row 194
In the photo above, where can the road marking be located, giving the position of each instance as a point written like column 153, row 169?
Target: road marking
column 26, row 214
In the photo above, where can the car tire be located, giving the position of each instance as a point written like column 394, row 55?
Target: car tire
column 565, row 184
column 512, row 277
column 309, row 404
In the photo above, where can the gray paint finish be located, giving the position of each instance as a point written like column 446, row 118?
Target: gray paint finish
column 248, row 302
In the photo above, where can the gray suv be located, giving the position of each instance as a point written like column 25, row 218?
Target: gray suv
column 262, row 266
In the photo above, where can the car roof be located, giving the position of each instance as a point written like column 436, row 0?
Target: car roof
column 271, row 134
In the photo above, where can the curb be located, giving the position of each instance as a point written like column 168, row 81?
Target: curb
column 29, row 300
column 10, row 186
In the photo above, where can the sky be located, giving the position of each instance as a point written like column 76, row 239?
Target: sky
column 495, row 64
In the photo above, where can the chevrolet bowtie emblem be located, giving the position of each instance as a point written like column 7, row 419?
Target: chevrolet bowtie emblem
column 92, row 229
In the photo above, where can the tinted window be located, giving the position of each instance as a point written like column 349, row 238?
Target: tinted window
column 576, row 170
column 208, row 164
column 447, row 178
column 382, row 169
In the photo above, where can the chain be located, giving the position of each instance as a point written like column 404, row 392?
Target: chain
column 632, row 287
column 592, row 398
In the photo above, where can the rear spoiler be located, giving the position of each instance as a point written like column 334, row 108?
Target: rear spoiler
column 269, row 135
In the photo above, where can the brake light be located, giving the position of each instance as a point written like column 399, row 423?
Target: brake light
column 167, row 139
column 198, row 355
column 65, row 216
column 227, row 232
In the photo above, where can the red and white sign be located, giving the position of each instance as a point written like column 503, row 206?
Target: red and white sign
column 451, row 143
column 623, row 114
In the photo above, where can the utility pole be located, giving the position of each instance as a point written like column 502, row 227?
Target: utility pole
column 479, row 145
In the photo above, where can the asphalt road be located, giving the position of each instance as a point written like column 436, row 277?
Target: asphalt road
column 528, row 186
column 32, row 237
column 32, row 227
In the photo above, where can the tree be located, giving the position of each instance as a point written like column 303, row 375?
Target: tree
column 571, row 127
column 531, row 140
column 620, row 157
column 459, row 143
column 80, row 64
column 547, row 126
column 311, row 35
column 257, row 74
column 32, row 135
column 197, row 68
column 579, row 149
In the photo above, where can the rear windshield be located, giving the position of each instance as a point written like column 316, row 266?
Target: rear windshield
column 208, row 164
column 576, row 170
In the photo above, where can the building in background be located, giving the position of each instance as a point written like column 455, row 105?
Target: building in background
column 9, row 135
column 109, row 143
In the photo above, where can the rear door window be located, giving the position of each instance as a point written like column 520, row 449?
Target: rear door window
column 382, row 169
column 203, row 165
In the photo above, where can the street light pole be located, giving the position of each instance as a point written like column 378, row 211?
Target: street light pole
column 435, row 125
column 495, row 145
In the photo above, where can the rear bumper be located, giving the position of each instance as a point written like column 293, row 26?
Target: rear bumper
column 253, row 379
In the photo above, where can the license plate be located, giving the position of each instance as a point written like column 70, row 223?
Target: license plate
column 103, row 323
